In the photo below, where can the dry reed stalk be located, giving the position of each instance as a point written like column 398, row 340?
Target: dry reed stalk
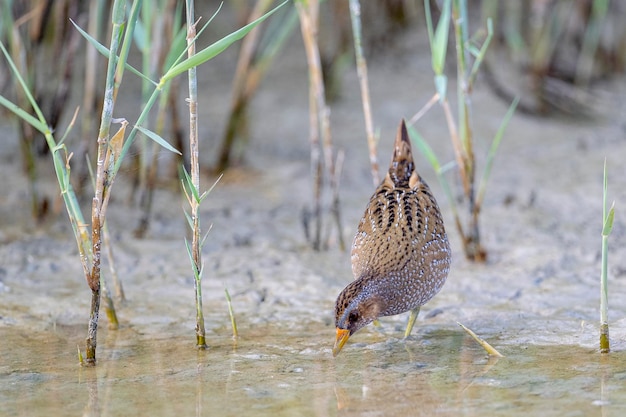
column 319, row 118
column 314, row 137
column 177, row 129
column 242, row 90
column 361, row 66
column 90, row 96
column 22, row 57
column 336, row 208
column 160, row 29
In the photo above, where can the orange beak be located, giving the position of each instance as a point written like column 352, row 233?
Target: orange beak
column 342, row 337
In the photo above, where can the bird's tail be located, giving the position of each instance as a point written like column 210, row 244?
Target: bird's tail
column 402, row 165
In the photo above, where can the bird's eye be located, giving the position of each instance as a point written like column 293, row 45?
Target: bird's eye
column 353, row 316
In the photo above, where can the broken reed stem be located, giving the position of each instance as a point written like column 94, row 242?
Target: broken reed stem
column 195, row 175
column 319, row 115
column 361, row 67
column 491, row 351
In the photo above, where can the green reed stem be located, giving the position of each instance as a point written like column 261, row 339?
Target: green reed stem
column 607, row 226
column 195, row 175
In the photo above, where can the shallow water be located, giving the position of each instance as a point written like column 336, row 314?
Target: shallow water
column 276, row 372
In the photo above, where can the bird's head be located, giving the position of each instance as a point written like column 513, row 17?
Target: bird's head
column 356, row 307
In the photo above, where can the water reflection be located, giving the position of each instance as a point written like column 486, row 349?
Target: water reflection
column 277, row 373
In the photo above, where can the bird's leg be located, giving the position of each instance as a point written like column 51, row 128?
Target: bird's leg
column 411, row 322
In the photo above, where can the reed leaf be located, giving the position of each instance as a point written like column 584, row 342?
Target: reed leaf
column 424, row 148
column 439, row 38
column 608, row 221
column 158, row 139
column 27, row 117
column 216, row 48
column 39, row 124
column 105, row 51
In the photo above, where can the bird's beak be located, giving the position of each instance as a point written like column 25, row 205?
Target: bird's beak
column 342, row 338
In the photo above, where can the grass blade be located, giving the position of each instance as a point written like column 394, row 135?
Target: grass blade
column 189, row 219
column 105, row 51
column 608, row 221
column 216, row 48
column 439, row 39
column 184, row 40
column 27, row 117
column 158, row 139
column 424, row 148
column 196, row 272
column 31, row 100
column 191, row 186
column 207, row 192
column 480, row 55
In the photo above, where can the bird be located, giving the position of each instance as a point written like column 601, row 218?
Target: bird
column 400, row 254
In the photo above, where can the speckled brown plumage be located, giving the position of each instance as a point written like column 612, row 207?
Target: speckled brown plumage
column 400, row 254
